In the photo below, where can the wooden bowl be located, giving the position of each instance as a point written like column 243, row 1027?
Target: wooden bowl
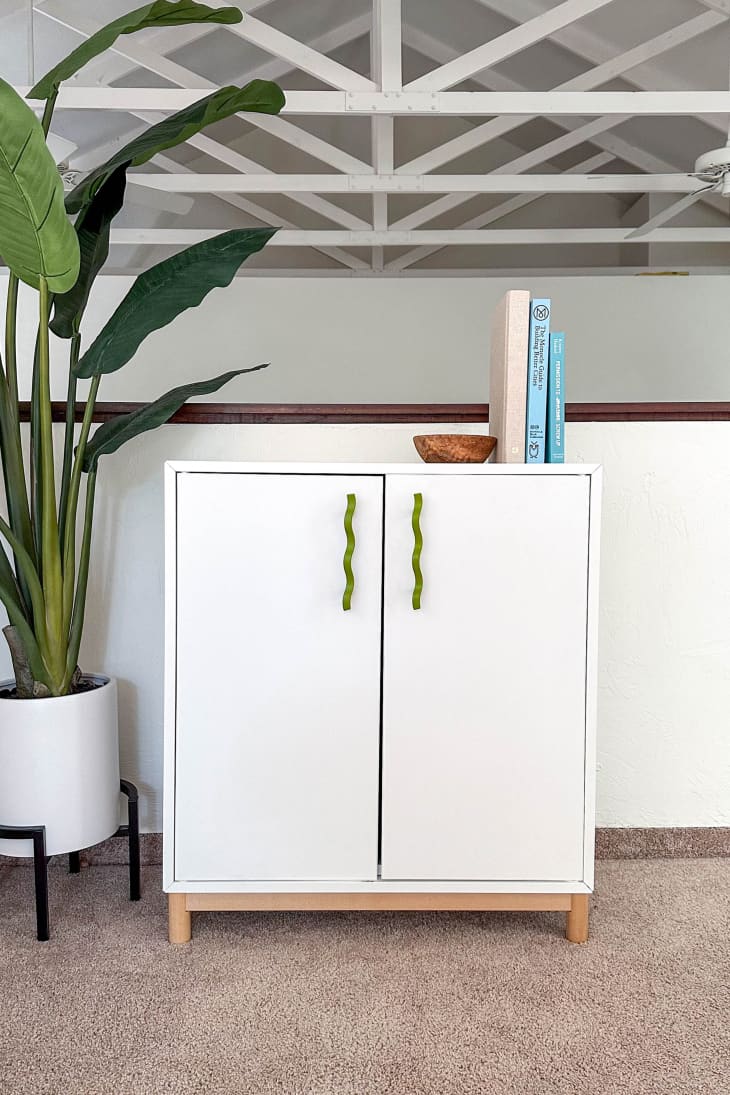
column 454, row 448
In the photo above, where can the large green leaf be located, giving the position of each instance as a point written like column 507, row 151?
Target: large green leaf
column 114, row 433
column 92, row 228
column 258, row 96
column 37, row 239
column 163, row 13
column 161, row 293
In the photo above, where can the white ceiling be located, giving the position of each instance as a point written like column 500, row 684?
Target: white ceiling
column 433, row 32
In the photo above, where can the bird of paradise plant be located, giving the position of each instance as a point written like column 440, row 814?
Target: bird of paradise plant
column 43, row 576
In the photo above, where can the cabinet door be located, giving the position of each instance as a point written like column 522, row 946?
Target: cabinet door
column 278, row 687
column 484, row 685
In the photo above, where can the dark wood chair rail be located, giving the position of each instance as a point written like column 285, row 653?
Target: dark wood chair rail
column 235, row 413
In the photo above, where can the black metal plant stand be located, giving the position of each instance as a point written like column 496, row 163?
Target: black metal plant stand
column 37, row 833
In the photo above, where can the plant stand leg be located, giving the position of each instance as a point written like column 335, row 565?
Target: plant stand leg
column 576, row 928
column 40, row 867
column 36, row 833
column 74, row 862
column 180, row 925
column 132, row 831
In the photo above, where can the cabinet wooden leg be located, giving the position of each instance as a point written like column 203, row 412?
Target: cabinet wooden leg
column 576, row 928
column 180, row 927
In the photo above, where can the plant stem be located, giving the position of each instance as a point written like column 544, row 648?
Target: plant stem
column 50, row 551
column 35, row 457
column 48, row 111
column 77, row 621
column 11, row 320
column 68, row 438
column 27, row 570
column 14, row 480
column 69, row 540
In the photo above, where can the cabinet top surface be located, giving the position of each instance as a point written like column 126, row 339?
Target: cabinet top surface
column 367, row 468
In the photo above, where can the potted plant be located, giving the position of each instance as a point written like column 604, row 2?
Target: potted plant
column 58, row 726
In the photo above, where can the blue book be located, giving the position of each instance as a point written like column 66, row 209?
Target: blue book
column 537, row 380
column 556, row 400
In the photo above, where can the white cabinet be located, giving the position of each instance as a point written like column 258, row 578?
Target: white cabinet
column 484, row 687
column 278, row 689
column 431, row 745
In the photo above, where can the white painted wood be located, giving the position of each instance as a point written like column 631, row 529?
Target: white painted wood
column 385, row 64
column 646, row 74
column 270, row 70
column 497, row 212
column 594, row 565
column 386, row 44
column 382, row 885
column 170, row 677
column 300, row 56
column 223, row 154
column 277, row 700
column 519, row 164
column 484, row 686
column 534, row 103
column 263, row 214
column 506, row 45
column 308, row 142
column 287, row 467
column 434, row 237
column 601, row 74
column 495, row 80
column 498, row 182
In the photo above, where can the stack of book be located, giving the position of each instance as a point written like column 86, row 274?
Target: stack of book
column 526, row 385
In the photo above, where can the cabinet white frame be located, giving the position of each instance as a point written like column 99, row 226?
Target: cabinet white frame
column 186, row 896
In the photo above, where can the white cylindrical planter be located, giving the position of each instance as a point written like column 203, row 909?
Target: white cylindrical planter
column 59, row 767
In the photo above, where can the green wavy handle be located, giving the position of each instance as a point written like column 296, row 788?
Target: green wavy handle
column 417, row 548
column 349, row 551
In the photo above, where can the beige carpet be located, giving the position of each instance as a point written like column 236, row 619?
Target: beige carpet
column 359, row 1004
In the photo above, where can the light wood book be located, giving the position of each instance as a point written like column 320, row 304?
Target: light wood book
column 508, row 376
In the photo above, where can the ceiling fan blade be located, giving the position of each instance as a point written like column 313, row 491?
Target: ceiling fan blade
column 671, row 211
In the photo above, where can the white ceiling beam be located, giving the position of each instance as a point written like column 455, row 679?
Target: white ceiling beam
column 386, row 71
column 215, row 149
column 545, row 104
column 601, row 74
column 255, row 182
column 477, row 271
column 186, row 78
column 301, row 56
column 305, row 141
column 386, row 53
column 264, row 215
column 525, row 162
column 506, row 45
column 588, row 45
column 618, row 146
column 498, row 212
column 266, row 185
column 121, row 58
column 125, row 46
column 441, row 238
column 271, row 70
column 383, row 152
column 722, row 6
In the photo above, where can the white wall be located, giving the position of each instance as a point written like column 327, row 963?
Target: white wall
column 401, row 340
column 664, row 747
